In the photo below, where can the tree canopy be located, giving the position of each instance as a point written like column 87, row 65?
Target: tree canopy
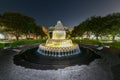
column 19, row 24
column 99, row 26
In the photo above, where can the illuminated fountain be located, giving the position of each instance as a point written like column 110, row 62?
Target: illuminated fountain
column 57, row 52
column 58, row 46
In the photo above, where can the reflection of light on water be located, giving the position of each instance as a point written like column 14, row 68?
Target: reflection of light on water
column 2, row 36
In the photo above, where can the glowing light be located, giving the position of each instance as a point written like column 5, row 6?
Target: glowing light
column 2, row 36
column 58, row 35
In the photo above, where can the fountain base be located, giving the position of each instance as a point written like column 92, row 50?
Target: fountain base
column 30, row 58
column 58, row 51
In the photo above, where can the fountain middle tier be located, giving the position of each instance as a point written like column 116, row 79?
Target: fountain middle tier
column 59, row 43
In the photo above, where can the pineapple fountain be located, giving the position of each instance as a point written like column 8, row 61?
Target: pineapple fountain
column 58, row 46
column 57, row 52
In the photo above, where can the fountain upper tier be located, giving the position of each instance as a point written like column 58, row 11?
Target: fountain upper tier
column 59, row 37
column 59, row 43
column 59, row 32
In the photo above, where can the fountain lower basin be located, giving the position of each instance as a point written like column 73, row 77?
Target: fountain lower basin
column 30, row 58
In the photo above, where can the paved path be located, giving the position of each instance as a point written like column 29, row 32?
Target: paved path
column 99, row 69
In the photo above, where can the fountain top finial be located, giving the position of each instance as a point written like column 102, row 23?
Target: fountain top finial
column 59, row 21
column 59, row 26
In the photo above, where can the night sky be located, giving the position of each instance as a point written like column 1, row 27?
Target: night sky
column 70, row 12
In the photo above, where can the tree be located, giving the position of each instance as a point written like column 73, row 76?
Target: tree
column 93, row 25
column 99, row 26
column 112, row 24
column 75, row 32
column 1, row 24
column 28, row 26
column 0, row 20
column 17, row 23
column 39, row 31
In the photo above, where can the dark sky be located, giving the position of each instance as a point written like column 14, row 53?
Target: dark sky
column 70, row 12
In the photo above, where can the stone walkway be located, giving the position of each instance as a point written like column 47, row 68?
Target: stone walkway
column 107, row 68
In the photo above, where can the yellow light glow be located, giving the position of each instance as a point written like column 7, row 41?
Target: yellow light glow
column 2, row 36
column 59, row 38
column 58, row 35
column 61, row 43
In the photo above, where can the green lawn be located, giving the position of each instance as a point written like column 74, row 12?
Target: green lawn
column 1, row 45
column 21, row 42
column 86, row 41
column 115, row 44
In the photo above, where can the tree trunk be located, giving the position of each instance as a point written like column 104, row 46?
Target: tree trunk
column 36, row 36
column 88, row 35
column 101, row 37
column 29, row 36
column 17, row 37
column 97, row 38
column 26, row 36
column 113, row 37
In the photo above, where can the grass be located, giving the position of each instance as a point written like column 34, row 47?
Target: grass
column 1, row 45
column 115, row 44
column 85, row 41
column 21, row 42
